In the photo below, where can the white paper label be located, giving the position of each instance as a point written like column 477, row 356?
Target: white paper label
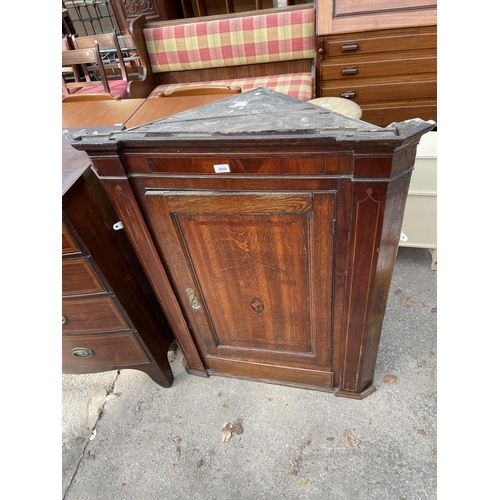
column 221, row 168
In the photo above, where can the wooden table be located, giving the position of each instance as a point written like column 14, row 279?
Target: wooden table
column 98, row 113
column 160, row 107
column 128, row 112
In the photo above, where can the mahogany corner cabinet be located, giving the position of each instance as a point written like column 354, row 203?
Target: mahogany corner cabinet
column 268, row 228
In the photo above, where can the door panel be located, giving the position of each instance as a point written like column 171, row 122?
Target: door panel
column 253, row 271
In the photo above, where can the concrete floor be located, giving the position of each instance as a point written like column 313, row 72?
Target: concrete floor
column 124, row 437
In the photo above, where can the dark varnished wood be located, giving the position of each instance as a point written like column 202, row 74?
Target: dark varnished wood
column 92, row 314
column 108, row 305
column 79, row 278
column 302, row 222
column 156, row 10
column 253, row 262
column 109, row 352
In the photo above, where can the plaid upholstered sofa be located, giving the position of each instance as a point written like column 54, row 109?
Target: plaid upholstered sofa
column 273, row 48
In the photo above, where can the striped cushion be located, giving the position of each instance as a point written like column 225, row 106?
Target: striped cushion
column 297, row 85
column 281, row 36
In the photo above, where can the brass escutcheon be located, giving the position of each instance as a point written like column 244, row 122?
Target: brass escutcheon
column 193, row 301
column 82, row 352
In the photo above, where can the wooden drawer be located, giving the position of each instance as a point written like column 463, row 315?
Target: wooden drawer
column 376, row 90
column 363, row 44
column 106, row 351
column 379, row 65
column 69, row 245
column 91, row 315
column 79, row 278
column 249, row 165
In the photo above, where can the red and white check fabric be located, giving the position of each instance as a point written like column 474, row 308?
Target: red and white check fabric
column 297, row 85
column 255, row 39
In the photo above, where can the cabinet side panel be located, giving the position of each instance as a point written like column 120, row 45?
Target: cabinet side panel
column 391, row 230
column 366, row 227
column 129, row 212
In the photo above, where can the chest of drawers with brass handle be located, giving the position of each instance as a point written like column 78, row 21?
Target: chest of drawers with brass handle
column 110, row 316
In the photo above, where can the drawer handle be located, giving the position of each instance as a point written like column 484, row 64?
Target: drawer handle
column 64, row 320
column 349, row 47
column 348, row 94
column 193, row 301
column 82, row 352
column 350, row 71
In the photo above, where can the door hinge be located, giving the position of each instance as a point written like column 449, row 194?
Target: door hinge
column 334, row 226
column 331, row 353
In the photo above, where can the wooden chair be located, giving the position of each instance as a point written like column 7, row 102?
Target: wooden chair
column 109, row 46
column 91, row 97
column 201, row 90
column 95, row 80
column 131, row 57
column 66, row 45
column 229, row 6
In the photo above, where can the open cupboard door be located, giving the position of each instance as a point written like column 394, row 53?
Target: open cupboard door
column 249, row 272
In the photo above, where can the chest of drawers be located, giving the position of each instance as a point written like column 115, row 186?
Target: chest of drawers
column 391, row 74
column 110, row 316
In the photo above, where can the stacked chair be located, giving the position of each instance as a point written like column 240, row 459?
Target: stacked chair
column 86, row 76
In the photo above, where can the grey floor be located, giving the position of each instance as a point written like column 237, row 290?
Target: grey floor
column 124, row 437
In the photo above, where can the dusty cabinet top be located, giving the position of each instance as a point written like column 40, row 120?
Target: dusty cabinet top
column 261, row 113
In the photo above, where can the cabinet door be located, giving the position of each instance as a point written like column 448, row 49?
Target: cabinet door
column 253, row 272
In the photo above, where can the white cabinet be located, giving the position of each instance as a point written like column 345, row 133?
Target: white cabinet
column 420, row 219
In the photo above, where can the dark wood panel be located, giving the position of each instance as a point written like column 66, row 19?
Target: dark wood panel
column 280, row 374
column 246, row 268
column 121, row 193
column 154, row 10
column 123, row 271
column 212, row 165
column 78, row 277
column 108, row 351
column 69, row 244
column 88, row 219
column 92, row 315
